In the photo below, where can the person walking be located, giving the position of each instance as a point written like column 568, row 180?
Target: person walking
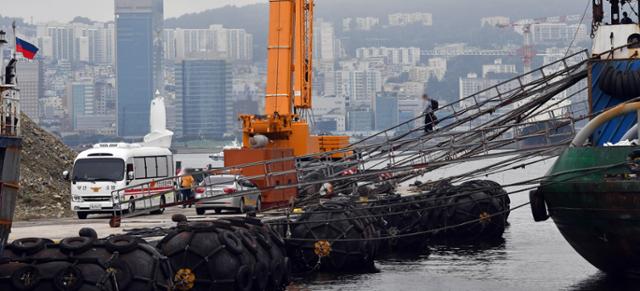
column 430, row 118
column 186, row 185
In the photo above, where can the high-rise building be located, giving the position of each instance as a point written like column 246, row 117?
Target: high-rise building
column 81, row 101
column 386, row 110
column 393, row 56
column 404, row 19
column 324, row 42
column 63, row 42
column 204, row 107
column 360, row 119
column 358, row 87
column 138, row 62
column 74, row 42
column 498, row 68
column 31, row 83
column 213, row 42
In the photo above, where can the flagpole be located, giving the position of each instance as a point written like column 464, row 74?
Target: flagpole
column 15, row 39
column 15, row 49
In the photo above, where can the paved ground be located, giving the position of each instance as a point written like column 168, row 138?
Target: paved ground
column 65, row 227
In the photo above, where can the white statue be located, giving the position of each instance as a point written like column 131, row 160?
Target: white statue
column 158, row 136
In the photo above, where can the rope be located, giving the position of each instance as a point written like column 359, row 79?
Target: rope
column 575, row 35
column 416, row 233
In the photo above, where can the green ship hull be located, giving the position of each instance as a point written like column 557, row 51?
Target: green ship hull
column 594, row 199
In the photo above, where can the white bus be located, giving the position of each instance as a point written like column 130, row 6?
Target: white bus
column 110, row 166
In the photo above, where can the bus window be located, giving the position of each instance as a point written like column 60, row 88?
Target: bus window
column 151, row 167
column 163, row 170
column 139, row 168
column 91, row 170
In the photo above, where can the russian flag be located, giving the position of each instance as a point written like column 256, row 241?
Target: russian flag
column 28, row 50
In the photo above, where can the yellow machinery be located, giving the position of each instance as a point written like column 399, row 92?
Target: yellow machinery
column 289, row 85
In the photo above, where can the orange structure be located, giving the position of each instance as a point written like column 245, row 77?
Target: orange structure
column 283, row 130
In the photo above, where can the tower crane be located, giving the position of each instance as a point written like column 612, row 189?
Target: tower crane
column 528, row 50
column 283, row 130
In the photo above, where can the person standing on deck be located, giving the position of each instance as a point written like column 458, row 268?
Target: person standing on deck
column 430, row 118
column 626, row 19
column 186, row 183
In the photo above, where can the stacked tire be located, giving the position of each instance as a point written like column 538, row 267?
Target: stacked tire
column 334, row 236
column 402, row 223
column 84, row 263
column 475, row 211
column 235, row 254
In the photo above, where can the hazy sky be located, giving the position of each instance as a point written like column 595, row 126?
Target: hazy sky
column 65, row 10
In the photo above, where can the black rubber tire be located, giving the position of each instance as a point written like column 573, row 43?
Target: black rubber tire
column 82, row 215
column 231, row 241
column 132, row 206
column 242, row 209
column 249, row 240
column 25, row 278
column 123, row 273
column 163, row 202
column 122, row 244
column 88, row 232
column 200, row 211
column 619, row 87
column 259, row 204
column 77, row 244
column 69, row 279
column 261, row 273
column 244, row 279
column 218, row 211
column 538, row 206
column 29, row 245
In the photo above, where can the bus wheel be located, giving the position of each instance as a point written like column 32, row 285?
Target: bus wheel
column 132, row 205
column 82, row 215
column 163, row 202
column 259, row 205
column 242, row 206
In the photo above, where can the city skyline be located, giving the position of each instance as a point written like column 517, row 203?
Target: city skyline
column 103, row 10
column 367, row 76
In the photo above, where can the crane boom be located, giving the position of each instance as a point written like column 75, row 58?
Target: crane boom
column 289, row 85
column 282, row 131
column 279, row 57
column 303, row 55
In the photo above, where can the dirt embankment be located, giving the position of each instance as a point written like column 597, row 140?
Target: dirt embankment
column 44, row 193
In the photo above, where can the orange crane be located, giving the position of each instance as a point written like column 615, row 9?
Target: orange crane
column 283, row 131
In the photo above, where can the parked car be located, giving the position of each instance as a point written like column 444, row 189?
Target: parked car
column 221, row 185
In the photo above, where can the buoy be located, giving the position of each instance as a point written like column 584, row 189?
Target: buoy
column 317, row 239
column 267, row 247
column 492, row 188
column 227, row 254
column 469, row 215
column 84, row 263
column 402, row 223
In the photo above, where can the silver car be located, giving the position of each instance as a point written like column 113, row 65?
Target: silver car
column 215, row 187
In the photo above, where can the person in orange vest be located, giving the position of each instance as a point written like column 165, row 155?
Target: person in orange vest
column 186, row 185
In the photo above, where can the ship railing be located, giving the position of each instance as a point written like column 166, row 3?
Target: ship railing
column 503, row 95
column 9, row 111
column 147, row 199
column 500, row 112
column 506, row 95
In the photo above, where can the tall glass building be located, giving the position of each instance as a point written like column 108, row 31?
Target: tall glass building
column 204, row 108
column 139, row 47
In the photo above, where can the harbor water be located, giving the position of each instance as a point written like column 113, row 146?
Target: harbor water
column 533, row 256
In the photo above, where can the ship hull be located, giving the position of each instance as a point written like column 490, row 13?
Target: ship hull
column 594, row 200
column 10, row 148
